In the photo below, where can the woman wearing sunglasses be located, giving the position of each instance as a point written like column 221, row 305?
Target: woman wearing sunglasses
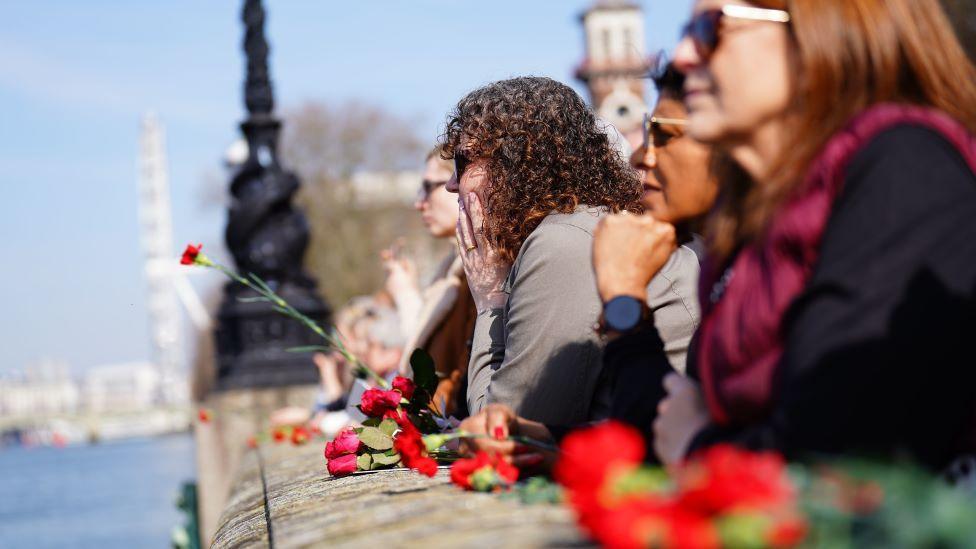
column 638, row 289
column 534, row 175
column 839, row 299
column 440, row 318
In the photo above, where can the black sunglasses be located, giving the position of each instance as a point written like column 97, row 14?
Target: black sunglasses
column 427, row 186
column 461, row 162
column 703, row 28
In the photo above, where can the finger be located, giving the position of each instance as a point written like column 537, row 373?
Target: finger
column 462, row 245
column 465, row 228
column 476, row 214
column 662, row 407
column 497, row 424
column 673, row 383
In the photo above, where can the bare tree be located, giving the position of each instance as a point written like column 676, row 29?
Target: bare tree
column 327, row 146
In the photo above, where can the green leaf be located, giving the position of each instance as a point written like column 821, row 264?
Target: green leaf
column 383, row 459
column 388, row 426
column 424, row 373
column 364, row 461
column 371, row 422
column 376, row 439
column 310, row 349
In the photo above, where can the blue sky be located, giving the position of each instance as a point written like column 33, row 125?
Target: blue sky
column 75, row 78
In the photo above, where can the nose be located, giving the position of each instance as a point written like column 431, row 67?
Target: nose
column 644, row 158
column 418, row 203
column 686, row 56
column 452, row 185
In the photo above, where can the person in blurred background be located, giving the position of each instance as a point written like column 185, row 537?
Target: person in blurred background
column 534, row 175
column 840, row 289
column 680, row 186
column 439, row 319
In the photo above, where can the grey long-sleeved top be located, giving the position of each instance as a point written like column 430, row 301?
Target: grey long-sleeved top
column 540, row 354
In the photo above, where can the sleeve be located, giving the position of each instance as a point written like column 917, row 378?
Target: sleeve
column 636, row 365
column 542, row 356
column 876, row 349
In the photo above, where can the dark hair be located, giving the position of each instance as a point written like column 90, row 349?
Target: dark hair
column 670, row 81
column 543, row 153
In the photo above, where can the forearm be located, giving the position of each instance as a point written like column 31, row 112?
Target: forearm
column 487, row 352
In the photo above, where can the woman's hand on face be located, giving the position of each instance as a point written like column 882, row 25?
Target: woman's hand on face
column 628, row 250
column 485, row 270
column 681, row 415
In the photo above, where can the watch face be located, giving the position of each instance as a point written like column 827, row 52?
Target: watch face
column 622, row 313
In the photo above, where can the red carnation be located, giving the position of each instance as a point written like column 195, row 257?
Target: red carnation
column 484, row 473
column 405, row 386
column 299, row 436
column 723, row 478
column 278, row 435
column 652, row 522
column 190, row 254
column 342, row 465
column 413, row 452
column 589, row 455
column 203, row 415
column 376, row 402
column 346, row 442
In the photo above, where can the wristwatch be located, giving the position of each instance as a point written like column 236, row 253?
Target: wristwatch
column 623, row 314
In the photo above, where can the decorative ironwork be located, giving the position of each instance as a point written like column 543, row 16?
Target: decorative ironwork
column 267, row 236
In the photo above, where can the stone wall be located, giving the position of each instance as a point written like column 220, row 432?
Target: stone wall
column 285, row 498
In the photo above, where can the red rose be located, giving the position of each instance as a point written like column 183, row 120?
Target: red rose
column 190, row 254
column 405, row 386
column 203, row 415
column 346, row 442
column 342, row 465
column 413, row 452
column 375, row 402
column 724, row 477
column 484, row 472
column 399, row 416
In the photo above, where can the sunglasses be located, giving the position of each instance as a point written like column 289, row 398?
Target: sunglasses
column 427, row 186
column 703, row 28
column 652, row 126
column 461, row 162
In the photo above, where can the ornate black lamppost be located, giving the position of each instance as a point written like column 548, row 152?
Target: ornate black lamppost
column 268, row 237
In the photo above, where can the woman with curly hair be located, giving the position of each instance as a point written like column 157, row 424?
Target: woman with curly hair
column 535, row 175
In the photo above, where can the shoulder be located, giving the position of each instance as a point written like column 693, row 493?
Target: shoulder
column 563, row 232
column 910, row 163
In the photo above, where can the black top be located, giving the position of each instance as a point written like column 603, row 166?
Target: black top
column 880, row 348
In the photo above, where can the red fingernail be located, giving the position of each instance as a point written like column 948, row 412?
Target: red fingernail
column 499, row 433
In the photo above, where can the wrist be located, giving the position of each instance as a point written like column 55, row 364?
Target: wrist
column 492, row 300
column 635, row 291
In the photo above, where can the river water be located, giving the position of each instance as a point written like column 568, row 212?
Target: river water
column 116, row 494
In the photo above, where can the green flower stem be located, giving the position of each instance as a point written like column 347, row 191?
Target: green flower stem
column 514, row 438
column 280, row 305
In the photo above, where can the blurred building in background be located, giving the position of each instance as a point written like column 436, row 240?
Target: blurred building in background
column 616, row 62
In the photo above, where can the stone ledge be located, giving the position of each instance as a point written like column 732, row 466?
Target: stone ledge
column 308, row 508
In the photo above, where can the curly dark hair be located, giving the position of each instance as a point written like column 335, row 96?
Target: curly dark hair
column 543, row 153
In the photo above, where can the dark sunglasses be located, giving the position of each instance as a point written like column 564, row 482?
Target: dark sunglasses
column 703, row 28
column 652, row 126
column 461, row 162
column 427, row 186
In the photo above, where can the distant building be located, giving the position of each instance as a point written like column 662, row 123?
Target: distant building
column 616, row 62
column 127, row 387
column 46, row 389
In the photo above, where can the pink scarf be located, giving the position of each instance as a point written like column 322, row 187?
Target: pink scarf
column 740, row 341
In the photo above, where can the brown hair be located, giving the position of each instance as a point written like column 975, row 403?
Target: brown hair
column 543, row 153
column 852, row 54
